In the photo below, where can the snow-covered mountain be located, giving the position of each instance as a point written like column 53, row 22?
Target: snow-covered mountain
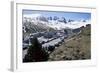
column 71, row 25
column 38, row 19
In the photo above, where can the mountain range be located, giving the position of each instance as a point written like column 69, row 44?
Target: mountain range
column 42, row 22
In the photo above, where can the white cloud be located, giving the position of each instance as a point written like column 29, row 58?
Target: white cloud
column 31, row 15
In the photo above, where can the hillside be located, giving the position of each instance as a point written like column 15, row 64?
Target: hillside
column 30, row 27
column 75, row 48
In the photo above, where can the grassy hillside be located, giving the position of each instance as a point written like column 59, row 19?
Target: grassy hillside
column 75, row 48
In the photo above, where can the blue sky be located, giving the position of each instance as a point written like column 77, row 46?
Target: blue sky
column 67, row 15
